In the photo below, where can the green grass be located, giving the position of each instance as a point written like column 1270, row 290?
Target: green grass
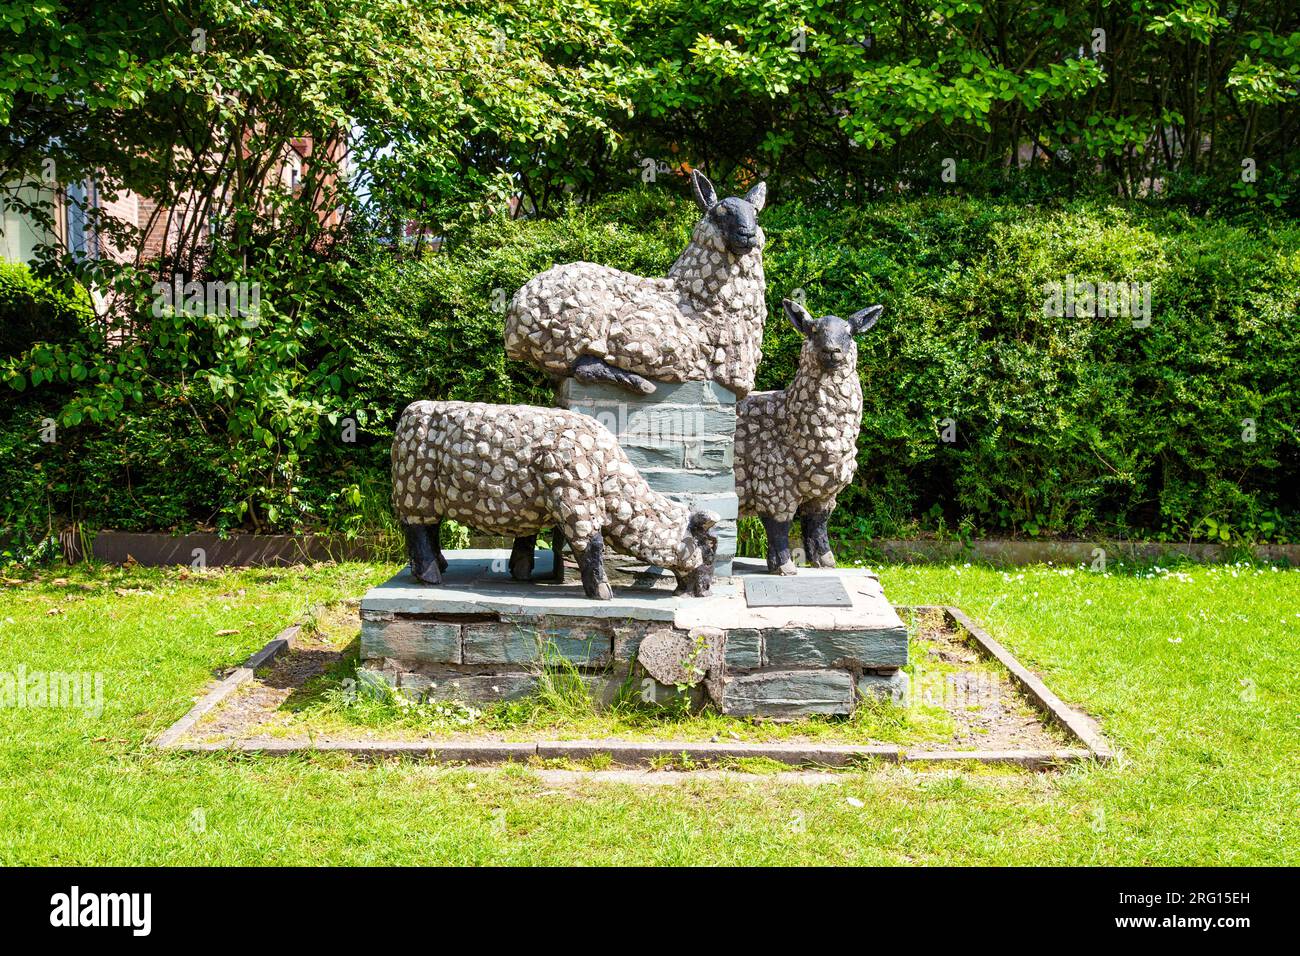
column 1193, row 675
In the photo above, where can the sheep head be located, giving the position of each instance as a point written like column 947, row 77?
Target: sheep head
column 831, row 337
column 733, row 221
column 696, row 553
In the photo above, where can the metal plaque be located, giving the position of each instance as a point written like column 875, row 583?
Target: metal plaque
column 795, row 591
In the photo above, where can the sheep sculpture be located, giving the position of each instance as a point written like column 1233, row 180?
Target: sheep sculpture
column 516, row 469
column 796, row 449
column 703, row 322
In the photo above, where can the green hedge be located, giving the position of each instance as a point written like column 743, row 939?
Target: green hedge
column 1063, row 425
column 32, row 310
column 1073, row 426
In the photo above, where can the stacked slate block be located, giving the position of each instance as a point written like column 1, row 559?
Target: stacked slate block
column 502, row 657
column 681, row 438
column 775, row 672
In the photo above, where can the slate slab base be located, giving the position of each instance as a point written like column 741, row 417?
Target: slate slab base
column 482, row 636
column 680, row 438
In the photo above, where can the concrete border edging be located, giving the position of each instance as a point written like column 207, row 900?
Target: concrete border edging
column 641, row 753
column 1081, row 726
column 159, row 549
column 1017, row 552
column 228, row 685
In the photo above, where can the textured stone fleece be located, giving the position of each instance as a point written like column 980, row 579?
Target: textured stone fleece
column 518, row 469
column 704, row 321
column 799, row 446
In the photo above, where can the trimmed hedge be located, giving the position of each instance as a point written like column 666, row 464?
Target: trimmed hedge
column 1063, row 425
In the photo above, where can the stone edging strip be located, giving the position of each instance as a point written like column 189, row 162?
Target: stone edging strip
column 635, row 753
column 1080, row 726
column 229, row 684
column 159, row 549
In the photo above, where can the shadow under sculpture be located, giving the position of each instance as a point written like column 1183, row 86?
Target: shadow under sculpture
column 518, row 469
column 796, row 449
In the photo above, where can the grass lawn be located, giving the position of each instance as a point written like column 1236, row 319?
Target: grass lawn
column 1192, row 673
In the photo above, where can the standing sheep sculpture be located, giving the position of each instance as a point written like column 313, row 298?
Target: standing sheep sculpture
column 703, row 322
column 796, row 449
column 516, row 469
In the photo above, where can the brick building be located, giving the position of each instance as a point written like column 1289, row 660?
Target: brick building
column 158, row 229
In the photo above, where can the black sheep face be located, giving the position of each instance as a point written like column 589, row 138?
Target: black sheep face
column 700, row 539
column 830, row 336
column 736, row 219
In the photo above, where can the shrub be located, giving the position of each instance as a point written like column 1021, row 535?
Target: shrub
column 432, row 327
column 34, row 310
column 1063, row 425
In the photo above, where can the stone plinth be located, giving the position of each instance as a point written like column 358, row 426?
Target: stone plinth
column 681, row 440
column 482, row 636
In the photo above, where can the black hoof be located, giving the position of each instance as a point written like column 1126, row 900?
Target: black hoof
column 521, row 557
column 423, row 553
column 521, row 569
column 429, row 575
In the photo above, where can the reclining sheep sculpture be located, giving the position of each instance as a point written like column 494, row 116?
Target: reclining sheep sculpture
column 796, row 449
column 516, row 469
column 703, row 322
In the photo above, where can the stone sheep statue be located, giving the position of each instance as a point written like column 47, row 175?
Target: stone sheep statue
column 516, row 469
column 797, row 449
column 703, row 322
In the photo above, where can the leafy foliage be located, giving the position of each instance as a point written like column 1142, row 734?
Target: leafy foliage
column 32, row 309
column 420, row 125
column 1063, row 425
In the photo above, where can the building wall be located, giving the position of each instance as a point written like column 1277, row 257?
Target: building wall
column 21, row 235
column 161, row 228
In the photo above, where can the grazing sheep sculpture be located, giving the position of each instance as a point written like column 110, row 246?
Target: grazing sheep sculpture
column 796, row 449
column 703, row 322
column 516, row 469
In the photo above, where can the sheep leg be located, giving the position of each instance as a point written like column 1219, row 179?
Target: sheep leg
column 521, row 558
column 808, row 528
column 778, row 545
column 435, row 542
column 420, row 551
column 557, row 554
column 596, row 371
column 817, row 539
column 591, row 561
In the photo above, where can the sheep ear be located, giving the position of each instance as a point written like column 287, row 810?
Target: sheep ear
column 703, row 189
column 861, row 321
column 757, row 197
column 799, row 317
